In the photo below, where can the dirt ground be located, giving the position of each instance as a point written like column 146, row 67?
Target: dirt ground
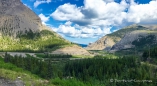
column 6, row 82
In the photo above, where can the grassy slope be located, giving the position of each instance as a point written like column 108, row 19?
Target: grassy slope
column 12, row 72
column 33, row 42
column 103, row 54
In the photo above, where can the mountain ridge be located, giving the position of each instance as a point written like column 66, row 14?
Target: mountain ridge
column 115, row 41
column 134, row 39
column 107, row 41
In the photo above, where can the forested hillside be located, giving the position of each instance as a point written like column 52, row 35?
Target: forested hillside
column 11, row 73
column 150, row 55
column 33, row 42
column 102, row 71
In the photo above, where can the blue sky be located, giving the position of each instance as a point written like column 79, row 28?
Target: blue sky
column 85, row 21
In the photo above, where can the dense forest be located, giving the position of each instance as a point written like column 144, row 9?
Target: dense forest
column 150, row 55
column 97, row 71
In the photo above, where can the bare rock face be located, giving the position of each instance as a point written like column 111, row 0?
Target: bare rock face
column 7, row 82
column 103, row 43
column 136, row 39
column 16, row 18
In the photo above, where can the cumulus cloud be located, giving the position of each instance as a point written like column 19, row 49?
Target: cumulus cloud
column 38, row 2
column 80, row 31
column 67, row 12
column 43, row 18
column 96, row 17
column 143, row 13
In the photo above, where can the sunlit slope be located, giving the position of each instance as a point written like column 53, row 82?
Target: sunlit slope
column 109, row 40
column 33, row 42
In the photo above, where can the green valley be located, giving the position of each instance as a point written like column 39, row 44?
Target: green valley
column 100, row 70
column 33, row 54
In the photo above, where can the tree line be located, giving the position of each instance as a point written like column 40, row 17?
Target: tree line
column 95, row 71
column 150, row 55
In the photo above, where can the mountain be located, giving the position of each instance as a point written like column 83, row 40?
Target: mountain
column 125, row 38
column 16, row 18
column 140, row 39
column 106, row 42
column 21, row 30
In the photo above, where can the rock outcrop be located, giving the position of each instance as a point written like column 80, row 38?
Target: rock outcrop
column 7, row 82
column 105, row 42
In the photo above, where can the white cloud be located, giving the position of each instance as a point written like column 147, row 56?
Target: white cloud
column 143, row 13
column 80, row 31
column 68, row 23
column 89, row 19
column 97, row 17
column 108, row 1
column 43, row 18
column 67, row 12
column 38, row 2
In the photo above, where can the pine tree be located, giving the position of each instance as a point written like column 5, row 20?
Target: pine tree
column 49, row 73
column 6, row 57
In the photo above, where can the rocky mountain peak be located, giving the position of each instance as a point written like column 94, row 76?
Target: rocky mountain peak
column 17, row 18
column 10, row 3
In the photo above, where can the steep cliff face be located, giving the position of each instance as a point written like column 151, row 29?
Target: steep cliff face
column 106, row 42
column 16, row 18
column 138, row 39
